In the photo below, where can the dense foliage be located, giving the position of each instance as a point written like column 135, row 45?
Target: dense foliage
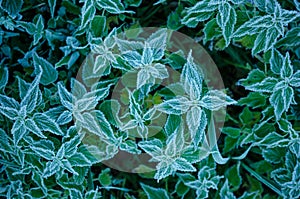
column 78, row 85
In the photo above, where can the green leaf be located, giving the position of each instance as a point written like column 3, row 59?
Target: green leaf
column 98, row 25
column 255, row 76
column 3, row 77
column 225, row 191
column 5, row 142
column 105, row 178
column 200, row 12
column 260, row 42
column 30, row 100
column 154, row 193
column 32, row 127
column 173, row 21
column 274, row 140
column 88, row 12
column 226, row 19
column 291, row 38
column 71, row 146
column 47, row 124
column 211, row 30
column 276, row 61
column 43, row 151
column 113, row 7
column 66, row 98
column 232, row 132
column 273, row 155
column 52, row 5
column 181, row 189
column 172, row 124
column 254, row 100
column 49, row 73
column 287, row 68
column 10, row 113
column 215, row 99
column 12, row 7
column 18, row 130
column 233, row 176
column 79, row 160
column 51, row 168
column 281, row 100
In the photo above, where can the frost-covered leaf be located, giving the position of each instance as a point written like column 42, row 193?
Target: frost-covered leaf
column 182, row 164
column 8, row 102
column 64, row 118
column 3, row 77
column 52, row 5
column 8, row 112
column 267, row 28
column 32, row 127
column 5, row 142
column 226, row 19
column 79, row 160
column 153, row 193
column 18, row 130
column 49, row 73
column 85, row 104
column 12, row 7
column 75, row 194
column 207, row 179
column 157, row 43
column 253, row 25
column 192, row 77
column 176, row 106
column 200, row 12
column 291, row 38
column 127, row 46
column 265, row 40
column 70, row 147
column 295, row 80
column 152, row 147
column 196, row 121
column 274, row 140
column 287, row 68
column 172, row 124
column 45, row 123
column 225, row 191
column 233, row 176
column 65, row 96
column 276, row 61
column 114, row 7
column 51, row 168
column 130, row 147
column 273, row 155
column 23, row 87
column 88, row 12
column 281, row 100
column 42, row 149
column 254, row 100
column 31, row 97
column 215, row 99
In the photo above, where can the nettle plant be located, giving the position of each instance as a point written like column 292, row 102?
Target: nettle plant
column 91, row 106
